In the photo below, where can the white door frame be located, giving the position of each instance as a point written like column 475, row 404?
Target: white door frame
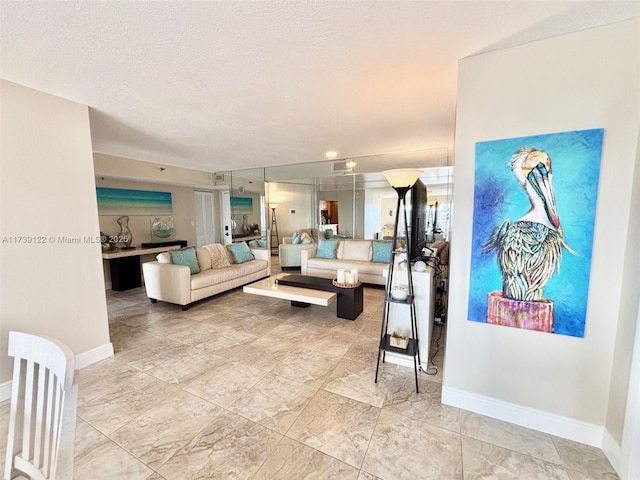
column 225, row 217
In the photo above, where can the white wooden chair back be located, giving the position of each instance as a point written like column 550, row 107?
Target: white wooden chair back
column 43, row 409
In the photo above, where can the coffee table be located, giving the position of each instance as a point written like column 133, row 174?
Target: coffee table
column 303, row 290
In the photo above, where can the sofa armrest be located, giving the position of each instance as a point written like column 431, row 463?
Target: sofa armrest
column 305, row 255
column 287, row 241
column 263, row 254
column 167, row 282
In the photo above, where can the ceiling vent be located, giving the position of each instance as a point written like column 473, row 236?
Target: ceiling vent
column 342, row 166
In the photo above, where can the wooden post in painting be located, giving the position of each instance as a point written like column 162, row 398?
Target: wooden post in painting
column 529, row 315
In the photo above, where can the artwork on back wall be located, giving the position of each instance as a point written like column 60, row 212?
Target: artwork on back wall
column 242, row 205
column 533, row 221
column 132, row 202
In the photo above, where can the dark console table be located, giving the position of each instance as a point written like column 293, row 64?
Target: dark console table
column 125, row 264
column 349, row 300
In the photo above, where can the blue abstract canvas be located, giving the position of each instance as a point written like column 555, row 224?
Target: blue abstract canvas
column 534, row 213
column 122, row 201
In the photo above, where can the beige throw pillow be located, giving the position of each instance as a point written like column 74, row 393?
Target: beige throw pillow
column 204, row 258
column 219, row 257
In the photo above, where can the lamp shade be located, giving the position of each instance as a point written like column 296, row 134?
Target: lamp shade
column 273, row 206
column 402, row 177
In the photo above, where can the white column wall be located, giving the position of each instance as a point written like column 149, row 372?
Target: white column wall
column 554, row 383
column 47, row 286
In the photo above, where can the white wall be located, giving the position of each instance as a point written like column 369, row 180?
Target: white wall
column 48, row 191
column 298, row 197
column 555, row 383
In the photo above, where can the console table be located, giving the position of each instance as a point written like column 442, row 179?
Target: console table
column 125, row 264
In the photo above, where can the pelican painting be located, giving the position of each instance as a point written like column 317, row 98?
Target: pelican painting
column 529, row 249
column 521, row 274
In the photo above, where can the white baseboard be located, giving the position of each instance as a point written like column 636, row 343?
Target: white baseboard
column 612, row 450
column 82, row 360
column 542, row 421
column 95, row 355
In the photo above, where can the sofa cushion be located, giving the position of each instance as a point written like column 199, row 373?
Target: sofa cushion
column 354, row 250
column 381, row 251
column 204, row 258
column 216, row 276
column 295, row 239
column 186, row 257
column 240, row 252
column 333, row 265
column 327, row 249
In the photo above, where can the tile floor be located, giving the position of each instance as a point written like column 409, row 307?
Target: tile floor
column 245, row 387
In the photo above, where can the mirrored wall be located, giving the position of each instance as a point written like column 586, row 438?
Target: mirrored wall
column 348, row 197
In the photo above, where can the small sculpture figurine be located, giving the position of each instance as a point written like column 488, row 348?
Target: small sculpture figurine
column 125, row 235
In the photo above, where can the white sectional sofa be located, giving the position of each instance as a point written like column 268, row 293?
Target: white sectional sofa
column 349, row 254
column 176, row 284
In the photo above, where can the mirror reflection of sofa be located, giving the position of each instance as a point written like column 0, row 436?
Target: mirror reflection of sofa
column 289, row 251
column 370, row 257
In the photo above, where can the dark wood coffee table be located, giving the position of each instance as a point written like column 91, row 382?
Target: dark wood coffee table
column 349, row 300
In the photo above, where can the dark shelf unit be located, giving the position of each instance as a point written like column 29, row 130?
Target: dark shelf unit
column 385, row 336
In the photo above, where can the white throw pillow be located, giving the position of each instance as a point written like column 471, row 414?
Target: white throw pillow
column 164, row 257
column 355, row 250
column 305, row 238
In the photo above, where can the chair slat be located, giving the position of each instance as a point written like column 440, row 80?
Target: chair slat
column 51, row 389
column 28, row 412
column 40, row 410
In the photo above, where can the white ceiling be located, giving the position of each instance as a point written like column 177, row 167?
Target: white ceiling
column 220, row 85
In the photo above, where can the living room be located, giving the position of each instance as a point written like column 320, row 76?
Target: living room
column 583, row 389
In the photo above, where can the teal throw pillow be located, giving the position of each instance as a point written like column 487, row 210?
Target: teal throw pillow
column 262, row 243
column 186, row 257
column 296, row 238
column 327, row 249
column 381, row 252
column 240, row 252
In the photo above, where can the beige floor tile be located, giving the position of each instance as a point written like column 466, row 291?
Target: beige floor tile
column 307, row 366
column 363, row 350
column 264, row 353
column 4, row 432
column 574, row 475
column 123, row 402
column 293, row 461
column 344, row 433
column 404, row 449
column 226, row 341
column 484, row 460
column 356, row 380
column 275, row 402
column 225, row 383
column 97, row 457
column 424, row 406
column 367, row 476
column 163, row 430
column 181, row 364
column 229, row 447
column 506, row 435
column 584, row 459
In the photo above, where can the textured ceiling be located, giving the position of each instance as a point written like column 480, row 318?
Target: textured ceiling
column 219, row 85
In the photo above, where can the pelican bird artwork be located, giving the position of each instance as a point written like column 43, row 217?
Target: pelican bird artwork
column 529, row 249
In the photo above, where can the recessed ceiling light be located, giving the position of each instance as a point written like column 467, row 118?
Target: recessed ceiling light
column 331, row 154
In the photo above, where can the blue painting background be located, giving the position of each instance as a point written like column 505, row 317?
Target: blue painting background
column 575, row 163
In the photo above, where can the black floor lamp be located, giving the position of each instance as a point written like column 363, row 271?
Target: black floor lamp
column 274, row 229
column 401, row 180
